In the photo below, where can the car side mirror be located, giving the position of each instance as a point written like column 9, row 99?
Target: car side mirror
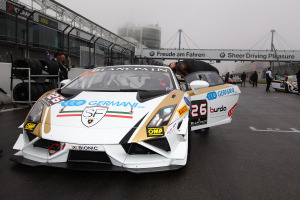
column 65, row 82
column 195, row 85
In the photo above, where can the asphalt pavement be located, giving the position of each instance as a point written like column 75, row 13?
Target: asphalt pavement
column 257, row 156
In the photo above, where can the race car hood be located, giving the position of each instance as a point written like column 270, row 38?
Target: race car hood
column 104, row 117
column 102, row 110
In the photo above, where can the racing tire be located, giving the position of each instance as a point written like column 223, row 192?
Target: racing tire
column 286, row 88
column 51, row 86
column 38, row 91
column 34, row 65
column 21, row 91
column 50, row 66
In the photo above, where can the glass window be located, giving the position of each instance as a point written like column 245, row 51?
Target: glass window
column 124, row 78
column 214, row 79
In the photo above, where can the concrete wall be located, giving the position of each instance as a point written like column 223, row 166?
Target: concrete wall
column 5, row 82
column 5, row 76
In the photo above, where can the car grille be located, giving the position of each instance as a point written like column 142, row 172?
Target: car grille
column 30, row 136
column 88, row 156
column 161, row 143
column 45, row 144
column 134, row 148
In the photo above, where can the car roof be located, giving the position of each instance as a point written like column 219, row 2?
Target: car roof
column 147, row 66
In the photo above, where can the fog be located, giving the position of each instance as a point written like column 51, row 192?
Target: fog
column 218, row 24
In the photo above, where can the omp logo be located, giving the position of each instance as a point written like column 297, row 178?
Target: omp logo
column 220, row 109
column 222, row 55
column 85, row 148
column 182, row 110
column 151, row 53
column 30, row 126
column 157, row 131
column 73, row 103
column 211, row 96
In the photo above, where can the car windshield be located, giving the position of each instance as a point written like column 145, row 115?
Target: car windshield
column 292, row 78
column 125, row 79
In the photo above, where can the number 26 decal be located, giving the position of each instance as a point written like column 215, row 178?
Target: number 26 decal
column 199, row 109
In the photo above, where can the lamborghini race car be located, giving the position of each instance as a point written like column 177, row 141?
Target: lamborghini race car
column 123, row 118
column 287, row 84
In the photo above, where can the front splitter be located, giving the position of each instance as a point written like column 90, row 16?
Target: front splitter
column 93, row 166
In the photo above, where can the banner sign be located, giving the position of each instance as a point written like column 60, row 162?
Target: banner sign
column 14, row 9
column 48, row 22
column 222, row 54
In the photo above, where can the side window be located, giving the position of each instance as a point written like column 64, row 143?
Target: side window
column 202, row 77
column 214, row 79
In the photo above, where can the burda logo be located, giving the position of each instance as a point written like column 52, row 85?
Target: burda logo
column 215, row 110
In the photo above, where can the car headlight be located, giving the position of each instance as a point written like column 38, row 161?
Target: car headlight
column 162, row 117
column 36, row 113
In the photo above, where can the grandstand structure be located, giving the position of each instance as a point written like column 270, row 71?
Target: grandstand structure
column 46, row 25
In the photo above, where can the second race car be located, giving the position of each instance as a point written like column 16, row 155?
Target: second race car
column 286, row 84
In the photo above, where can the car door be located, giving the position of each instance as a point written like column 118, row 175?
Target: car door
column 213, row 105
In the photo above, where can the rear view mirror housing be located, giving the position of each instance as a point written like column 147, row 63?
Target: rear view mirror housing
column 64, row 82
column 198, row 84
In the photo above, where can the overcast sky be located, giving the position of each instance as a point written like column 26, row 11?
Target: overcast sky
column 211, row 24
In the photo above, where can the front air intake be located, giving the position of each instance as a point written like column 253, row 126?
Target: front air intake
column 134, row 148
column 88, row 156
column 161, row 143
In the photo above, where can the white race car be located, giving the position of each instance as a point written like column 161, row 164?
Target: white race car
column 123, row 118
column 286, row 83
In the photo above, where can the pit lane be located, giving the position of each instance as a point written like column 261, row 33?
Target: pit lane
column 231, row 162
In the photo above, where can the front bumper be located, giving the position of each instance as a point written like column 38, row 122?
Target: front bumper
column 93, row 166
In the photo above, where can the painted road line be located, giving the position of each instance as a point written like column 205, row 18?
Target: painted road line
column 293, row 130
column 267, row 97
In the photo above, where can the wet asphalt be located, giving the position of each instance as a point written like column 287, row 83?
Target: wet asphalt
column 230, row 162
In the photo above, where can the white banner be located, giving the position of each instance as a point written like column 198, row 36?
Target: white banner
column 221, row 54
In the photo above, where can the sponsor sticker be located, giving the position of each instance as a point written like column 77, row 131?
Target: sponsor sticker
column 231, row 110
column 155, row 131
column 73, row 103
column 187, row 101
column 85, row 148
column 92, row 115
column 213, row 95
column 30, row 126
column 101, row 103
column 218, row 112
column 199, row 112
column 52, row 99
column 182, row 110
